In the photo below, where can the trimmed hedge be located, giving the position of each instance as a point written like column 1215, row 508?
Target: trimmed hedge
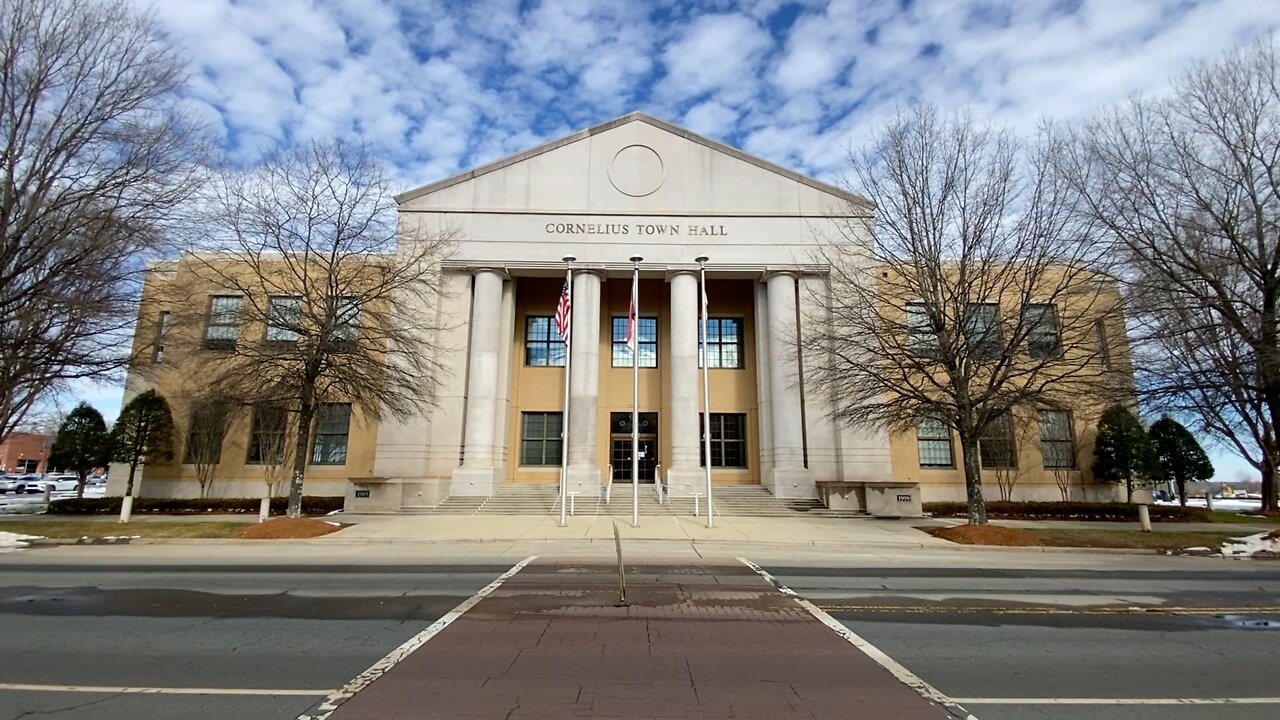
column 1069, row 511
column 311, row 505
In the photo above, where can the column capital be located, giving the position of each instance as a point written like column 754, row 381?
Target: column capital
column 768, row 274
column 675, row 271
column 592, row 269
column 495, row 269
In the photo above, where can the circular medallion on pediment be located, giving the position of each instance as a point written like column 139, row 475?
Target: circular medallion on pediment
column 637, row 170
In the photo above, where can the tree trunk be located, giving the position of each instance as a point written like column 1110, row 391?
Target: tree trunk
column 1128, row 486
column 1269, row 379
column 973, row 481
column 305, row 412
column 128, row 488
column 82, row 478
column 1181, row 483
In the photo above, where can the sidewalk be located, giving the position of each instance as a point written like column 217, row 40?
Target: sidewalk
column 709, row 641
column 502, row 528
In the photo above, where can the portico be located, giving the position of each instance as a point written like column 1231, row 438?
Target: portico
column 635, row 185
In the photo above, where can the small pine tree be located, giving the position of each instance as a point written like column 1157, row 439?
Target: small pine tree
column 143, row 433
column 82, row 444
column 1123, row 451
column 1181, row 458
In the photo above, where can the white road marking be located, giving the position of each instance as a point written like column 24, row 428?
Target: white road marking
column 326, row 707
column 904, row 675
column 1121, row 701
column 106, row 689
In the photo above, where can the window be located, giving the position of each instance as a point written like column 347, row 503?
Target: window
column 728, row 441
column 284, row 313
column 982, row 329
column 162, row 331
column 541, row 438
column 1104, row 347
column 1042, row 331
column 267, row 436
column 724, row 343
column 1056, row 439
column 223, row 329
column 995, row 445
column 542, row 344
column 346, row 322
column 333, row 422
column 207, row 430
column 921, row 338
column 647, row 342
column 934, row 439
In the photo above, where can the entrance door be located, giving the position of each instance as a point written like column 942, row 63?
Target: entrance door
column 622, row 458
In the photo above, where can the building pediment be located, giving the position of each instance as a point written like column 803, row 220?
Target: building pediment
column 634, row 165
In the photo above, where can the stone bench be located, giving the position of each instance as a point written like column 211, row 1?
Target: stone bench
column 878, row 499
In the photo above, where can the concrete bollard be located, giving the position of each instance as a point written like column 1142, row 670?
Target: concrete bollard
column 126, row 509
column 1208, row 500
column 48, row 494
column 1144, row 518
column 264, row 509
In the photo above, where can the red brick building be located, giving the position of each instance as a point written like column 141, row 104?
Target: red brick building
column 25, row 453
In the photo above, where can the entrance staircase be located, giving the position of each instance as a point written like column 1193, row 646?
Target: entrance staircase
column 543, row 499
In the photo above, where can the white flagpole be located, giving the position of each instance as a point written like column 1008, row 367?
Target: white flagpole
column 635, row 393
column 706, row 385
column 564, row 418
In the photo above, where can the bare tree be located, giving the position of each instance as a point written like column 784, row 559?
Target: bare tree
column 1062, row 477
column 979, row 291
column 1188, row 186
column 272, row 445
column 317, row 297
column 206, row 430
column 96, row 158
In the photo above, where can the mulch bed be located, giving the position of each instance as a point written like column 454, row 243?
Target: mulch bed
column 985, row 535
column 289, row 528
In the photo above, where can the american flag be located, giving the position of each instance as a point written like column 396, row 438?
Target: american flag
column 564, row 314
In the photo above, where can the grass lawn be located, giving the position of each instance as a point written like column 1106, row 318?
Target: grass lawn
column 97, row 529
column 1156, row 540
column 1226, row 516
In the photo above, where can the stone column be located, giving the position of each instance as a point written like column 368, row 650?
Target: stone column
column 788, row 477
column 479, row 474
column 584, row 384
column 684, row 472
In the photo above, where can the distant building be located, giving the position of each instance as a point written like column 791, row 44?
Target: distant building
column 634, row 185
column 25, row 453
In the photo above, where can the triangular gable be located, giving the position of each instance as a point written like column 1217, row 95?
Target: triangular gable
column 576, row 158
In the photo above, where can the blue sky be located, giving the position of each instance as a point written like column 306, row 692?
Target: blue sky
column 441, row 86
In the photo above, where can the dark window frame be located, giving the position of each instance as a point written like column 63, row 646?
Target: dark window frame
column 544, row 440
column 232, row 326
column 317, row 447
column 995, row 446
column 722, row 446
column 620, row 350
column 933, row 441
column 286, row 335
column 715, row 329
column 983, row 342
column 253, row 454
column 922, row 339
column 1047, row 443
column 553, row 348
column 163, row 324
column 1041, row 344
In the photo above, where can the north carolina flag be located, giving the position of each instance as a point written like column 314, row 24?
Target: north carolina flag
column 631, row 323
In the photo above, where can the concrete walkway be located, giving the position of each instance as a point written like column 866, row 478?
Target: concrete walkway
column 499, row 528
column 709, row 641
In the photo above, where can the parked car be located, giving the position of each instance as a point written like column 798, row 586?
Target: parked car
column 7, row 482
column 62, row 483
column 96, row 480
column 27, row 484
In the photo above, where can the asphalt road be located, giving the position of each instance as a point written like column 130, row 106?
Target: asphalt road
column 286, row 631
column 1024, row 644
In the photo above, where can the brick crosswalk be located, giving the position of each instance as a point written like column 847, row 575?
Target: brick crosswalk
column 697, row 641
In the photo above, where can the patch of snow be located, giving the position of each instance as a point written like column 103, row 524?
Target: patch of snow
column 1261, row 543
column 15, row 541
column 120, row 537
